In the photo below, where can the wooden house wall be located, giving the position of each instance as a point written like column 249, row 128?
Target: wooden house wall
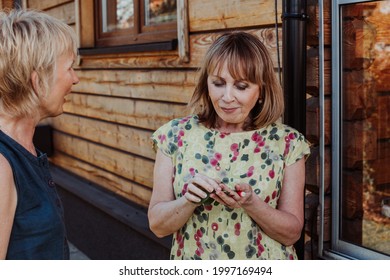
column 104, row 134
column 313, row 183
column 366, row 149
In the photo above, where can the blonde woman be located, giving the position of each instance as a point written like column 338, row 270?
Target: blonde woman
column 36, row 57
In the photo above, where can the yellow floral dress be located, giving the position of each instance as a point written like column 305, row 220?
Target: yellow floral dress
column 257, row 158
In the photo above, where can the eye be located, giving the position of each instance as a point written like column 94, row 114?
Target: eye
column 241, row 86
column 218, row 83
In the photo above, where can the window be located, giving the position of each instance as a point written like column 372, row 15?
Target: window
column 129, row 22
column 132, row 26
column 361, row 131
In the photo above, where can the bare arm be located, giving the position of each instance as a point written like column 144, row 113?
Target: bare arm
column 283, row 224
column 7, row 205
column 167, row 214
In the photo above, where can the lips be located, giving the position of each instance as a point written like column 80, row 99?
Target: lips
column 228, row 110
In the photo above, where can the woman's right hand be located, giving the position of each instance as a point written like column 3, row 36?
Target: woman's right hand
column 199, row 187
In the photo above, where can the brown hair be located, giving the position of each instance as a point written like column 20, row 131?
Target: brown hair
column 247, row 59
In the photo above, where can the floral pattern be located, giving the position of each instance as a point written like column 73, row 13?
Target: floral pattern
column 254, row 157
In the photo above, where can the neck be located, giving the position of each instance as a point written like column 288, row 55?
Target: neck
column 21, row 130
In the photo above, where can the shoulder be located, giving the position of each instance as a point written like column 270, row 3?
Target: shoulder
column 5, row 164
column 174, row 126
column 184, row 122
column 280, row 130
column 6, row 174
column 170, row 136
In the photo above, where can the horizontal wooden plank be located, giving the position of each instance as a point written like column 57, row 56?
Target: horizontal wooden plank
column 199, row 43
column 117, row 184
column 157, row 60
column 46, row 4
column 138, row 113
column 170, row 86
column 313, row 71
column 313, row 121
column 312, row 214
column 128, row 139
column 313, row 170
column 64, row 12
column 131, row 167
column 212, row 15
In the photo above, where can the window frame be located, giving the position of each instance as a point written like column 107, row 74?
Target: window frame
column 85, row 28
column 340, row 249
column 139, row 33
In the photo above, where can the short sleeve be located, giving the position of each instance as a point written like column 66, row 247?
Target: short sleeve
column 297, row 148
column 164, row 139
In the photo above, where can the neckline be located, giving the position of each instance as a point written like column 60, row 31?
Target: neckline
column 238, row 133
column 22, row 149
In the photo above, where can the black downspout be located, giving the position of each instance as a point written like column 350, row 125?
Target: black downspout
column 294, row 73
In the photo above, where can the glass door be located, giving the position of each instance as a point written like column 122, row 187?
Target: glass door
column 361, row 130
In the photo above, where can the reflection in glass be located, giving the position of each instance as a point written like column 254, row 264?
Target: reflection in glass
column 365, row 126
column 160, row 11
column 117, row 15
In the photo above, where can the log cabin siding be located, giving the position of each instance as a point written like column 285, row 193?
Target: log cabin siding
column 104, row 133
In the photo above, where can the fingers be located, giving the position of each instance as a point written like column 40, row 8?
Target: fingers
column 199, row 188
column 233, row 198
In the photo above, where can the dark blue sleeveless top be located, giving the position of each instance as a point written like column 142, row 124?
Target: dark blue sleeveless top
column 38, row 230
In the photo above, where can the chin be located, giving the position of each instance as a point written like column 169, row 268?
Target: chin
column 57, row 113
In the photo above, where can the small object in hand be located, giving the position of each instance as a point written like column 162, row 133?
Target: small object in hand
column 241, row 193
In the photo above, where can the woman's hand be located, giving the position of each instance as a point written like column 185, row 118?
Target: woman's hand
column 200, row 187
column 241, row 195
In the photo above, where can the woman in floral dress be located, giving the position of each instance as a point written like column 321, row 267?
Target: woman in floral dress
column 229, row 179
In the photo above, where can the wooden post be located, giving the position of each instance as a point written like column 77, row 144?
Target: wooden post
column 182, row 31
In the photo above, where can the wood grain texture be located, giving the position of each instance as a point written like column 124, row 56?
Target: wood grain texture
column 133, row 112
column 170, row 86
column 126, row 138
column 110, row 181
column 207, row 15
column 131, row 167
column 199, row 43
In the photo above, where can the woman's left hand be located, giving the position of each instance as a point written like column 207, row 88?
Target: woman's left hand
column 237, row 198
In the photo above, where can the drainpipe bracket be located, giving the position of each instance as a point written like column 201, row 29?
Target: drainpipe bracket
column 301, row 16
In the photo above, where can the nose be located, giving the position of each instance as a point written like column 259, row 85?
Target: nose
column 75, row 78
column 228, row 94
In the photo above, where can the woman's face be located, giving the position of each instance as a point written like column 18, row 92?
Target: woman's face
column 232, row 100
column 63, row 79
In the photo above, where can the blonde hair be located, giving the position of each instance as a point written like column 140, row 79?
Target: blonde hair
column 247, row 59
column 30, row 41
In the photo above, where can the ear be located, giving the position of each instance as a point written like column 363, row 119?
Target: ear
column 35, row 82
